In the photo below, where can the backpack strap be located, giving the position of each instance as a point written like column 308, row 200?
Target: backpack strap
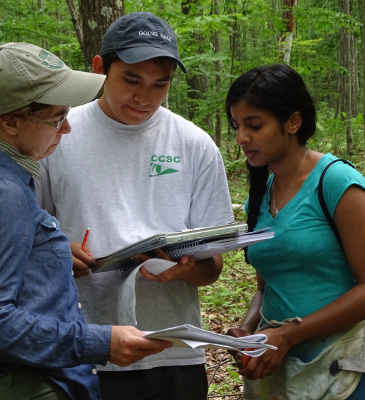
column 323, row 203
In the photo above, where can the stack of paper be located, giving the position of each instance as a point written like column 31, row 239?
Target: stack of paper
column 192, row 337
column 207, row 249
column 121, row 258
column 201, row 248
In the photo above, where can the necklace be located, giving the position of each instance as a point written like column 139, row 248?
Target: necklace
column 275, row 210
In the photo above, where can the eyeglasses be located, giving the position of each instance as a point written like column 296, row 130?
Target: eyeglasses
column 56, row 125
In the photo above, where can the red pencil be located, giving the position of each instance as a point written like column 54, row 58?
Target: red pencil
column 85, row 239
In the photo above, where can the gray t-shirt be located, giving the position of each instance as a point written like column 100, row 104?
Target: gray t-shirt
column 128, row 182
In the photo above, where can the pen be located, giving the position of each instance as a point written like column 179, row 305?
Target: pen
column 85, row 239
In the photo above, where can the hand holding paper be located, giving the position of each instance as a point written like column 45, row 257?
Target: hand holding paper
column 193, row 337
column 177, row 271
column 202, row 243
column 128, row 345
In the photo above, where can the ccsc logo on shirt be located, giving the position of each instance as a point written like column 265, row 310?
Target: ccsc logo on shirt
column 157, row 169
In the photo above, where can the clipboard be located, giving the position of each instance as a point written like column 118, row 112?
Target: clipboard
column 120, row 260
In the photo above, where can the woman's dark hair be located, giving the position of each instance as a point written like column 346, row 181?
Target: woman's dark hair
column 280, row 90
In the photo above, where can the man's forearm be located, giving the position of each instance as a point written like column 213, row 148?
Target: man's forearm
column 205, row 272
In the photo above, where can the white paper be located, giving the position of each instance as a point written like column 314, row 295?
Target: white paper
column 127, row 290
column 215, row 249
column 191, row 336
column 193, row 344
column 209, row 249
column 156, row 266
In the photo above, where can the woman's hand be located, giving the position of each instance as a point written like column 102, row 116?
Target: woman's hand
column 237, row 332
column 265, row 365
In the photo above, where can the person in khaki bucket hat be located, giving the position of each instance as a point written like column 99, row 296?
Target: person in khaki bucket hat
column 46, row 348
column 29, row 74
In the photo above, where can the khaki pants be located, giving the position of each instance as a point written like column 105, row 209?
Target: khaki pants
column 28, row 384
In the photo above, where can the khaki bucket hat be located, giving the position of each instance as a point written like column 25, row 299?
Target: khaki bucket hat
column 29, row 73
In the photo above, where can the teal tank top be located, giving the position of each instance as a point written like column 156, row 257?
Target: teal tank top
column 304, row 266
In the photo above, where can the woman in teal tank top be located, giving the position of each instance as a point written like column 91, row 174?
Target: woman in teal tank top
column 312, row 288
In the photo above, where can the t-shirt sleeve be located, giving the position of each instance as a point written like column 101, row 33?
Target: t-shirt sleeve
column 211, row 203
column 44, row 190
column 338, row 178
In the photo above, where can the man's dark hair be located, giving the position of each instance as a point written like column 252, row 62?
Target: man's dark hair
column 110, row 58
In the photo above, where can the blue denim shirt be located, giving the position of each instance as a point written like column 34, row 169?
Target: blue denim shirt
column 41, row 324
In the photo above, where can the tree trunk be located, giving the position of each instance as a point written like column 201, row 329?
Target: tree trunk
column 233, row 39
column 44, row 41
column 349, row 136
column 354, row 78
column 96, row 17
column 197, row 83
column 363, row 61
column 287, row 36
column 76, row 22
column 58, row 16
column 342, row 61
column 353, row 67
column 330, row 89
column 218, row 68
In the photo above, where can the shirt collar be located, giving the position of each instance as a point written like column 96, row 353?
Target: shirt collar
column 26, row 162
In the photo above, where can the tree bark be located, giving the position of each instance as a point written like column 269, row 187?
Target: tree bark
column 287, row 36
column 96, row 17
column 349, row 136
column 197, row 83
column 234, row 40
column 76, row 22
column 44, row 41
column 353, row 67
column 218, row 69
column 354, row 78
column 363, row 61
column 330, row 89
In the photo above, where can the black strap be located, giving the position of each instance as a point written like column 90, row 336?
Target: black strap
column 323, row 203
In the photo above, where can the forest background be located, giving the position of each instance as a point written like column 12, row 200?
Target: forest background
column 323, row 40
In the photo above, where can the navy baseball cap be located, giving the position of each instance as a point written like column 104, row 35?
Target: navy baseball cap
column 140, row 36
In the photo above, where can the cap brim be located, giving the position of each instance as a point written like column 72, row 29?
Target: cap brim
column 137, row 54
column 77, row 89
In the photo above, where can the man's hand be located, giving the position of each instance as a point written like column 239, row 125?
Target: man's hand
column 128, row 345
column 179, row 271
column 82, row 260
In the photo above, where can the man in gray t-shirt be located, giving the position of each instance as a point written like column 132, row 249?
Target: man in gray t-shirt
column 131, row 169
